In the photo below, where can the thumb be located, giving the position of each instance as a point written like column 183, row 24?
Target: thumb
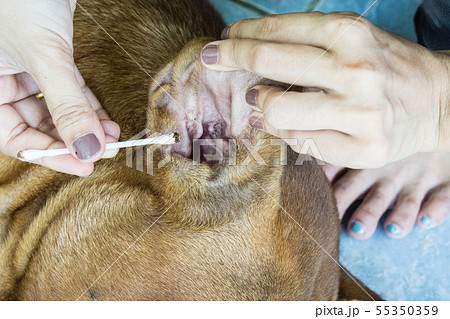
column 73, row 116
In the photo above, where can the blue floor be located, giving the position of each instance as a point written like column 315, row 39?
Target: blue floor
column 413, row 268
column 416, row 267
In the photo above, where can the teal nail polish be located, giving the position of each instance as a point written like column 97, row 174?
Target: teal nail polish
column 393, row 229
column 426, row 221
column 358, row 228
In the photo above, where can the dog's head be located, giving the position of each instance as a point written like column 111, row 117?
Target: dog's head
column 218, row 153
column 206, row 108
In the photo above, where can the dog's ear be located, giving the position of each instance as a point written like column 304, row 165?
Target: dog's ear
column 162, row 80
column 351, row 288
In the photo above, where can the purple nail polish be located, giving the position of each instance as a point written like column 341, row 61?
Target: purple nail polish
column 86, row 146
column 224, row 34
column 210, row 54
column 250, row 97
column 256, row 122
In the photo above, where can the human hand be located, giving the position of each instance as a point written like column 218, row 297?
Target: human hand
column 371, row 97
column 36, row 54
column 417, row 188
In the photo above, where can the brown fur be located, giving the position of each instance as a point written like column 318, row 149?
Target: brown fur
column 224, row 238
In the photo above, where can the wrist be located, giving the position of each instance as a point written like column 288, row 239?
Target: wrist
column 443, row 93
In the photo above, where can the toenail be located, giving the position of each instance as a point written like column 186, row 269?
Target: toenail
column 357, row 228
column 393, row 229
column 426, row 221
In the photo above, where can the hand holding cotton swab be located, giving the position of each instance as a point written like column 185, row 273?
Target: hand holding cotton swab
column 111, row 149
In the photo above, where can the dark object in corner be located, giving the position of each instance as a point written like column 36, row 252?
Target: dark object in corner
column 432, row 23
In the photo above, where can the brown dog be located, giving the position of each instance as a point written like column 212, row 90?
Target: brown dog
column 234, row 228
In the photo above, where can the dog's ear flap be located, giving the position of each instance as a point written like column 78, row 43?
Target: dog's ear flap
column 162, row 79
column 160, row 90
column 351, row 288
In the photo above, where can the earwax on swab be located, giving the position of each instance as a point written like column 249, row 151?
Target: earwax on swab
column 111, row 148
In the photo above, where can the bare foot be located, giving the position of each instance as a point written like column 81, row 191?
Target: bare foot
column 417, row 187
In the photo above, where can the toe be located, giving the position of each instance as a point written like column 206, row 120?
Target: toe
column 364, row 221
column 402, row 219
column 436, row 208
column 349, row 187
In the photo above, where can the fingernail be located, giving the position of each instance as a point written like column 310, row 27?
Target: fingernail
column 357, row 228
column 256, row 121
column 86, row 146
column 426, row 221
column 210, row 54
column 224, row 34
column 394, row 229
column 250, row 97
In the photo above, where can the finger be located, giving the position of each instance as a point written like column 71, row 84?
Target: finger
column 33, row 111
column 286, row 110
column 328, row 146
column 402, row 219
column 306, row 28
column 16, row 136
column 325, row 146
column 74, row 118
column 289, row 63
column 73, row 5
column 110, row 127
column 436, row 208
column 349, row 187
column 16, row 87
column 332, row 171
column 65, row 163
column 35, row 114
column 364, row 221
column 313, row 28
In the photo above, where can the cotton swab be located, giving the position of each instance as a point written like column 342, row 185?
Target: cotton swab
column 111, row 148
